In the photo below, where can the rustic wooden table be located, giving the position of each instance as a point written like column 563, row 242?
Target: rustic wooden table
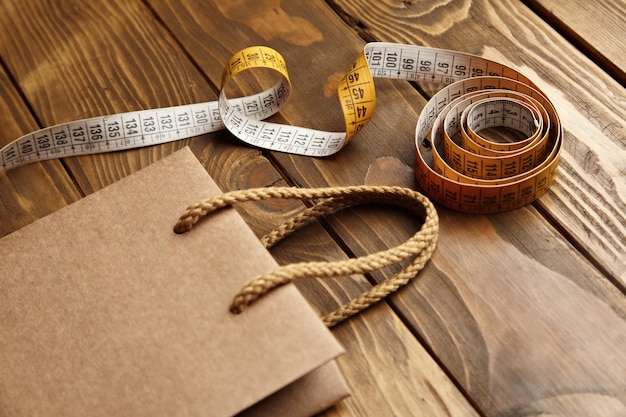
column 518, row 314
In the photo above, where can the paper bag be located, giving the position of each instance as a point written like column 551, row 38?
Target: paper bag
column 104, row 310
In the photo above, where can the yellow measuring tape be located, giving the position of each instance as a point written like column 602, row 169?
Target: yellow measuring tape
column 455, row 165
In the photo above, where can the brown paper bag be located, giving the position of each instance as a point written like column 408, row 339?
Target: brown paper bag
column 104, row 310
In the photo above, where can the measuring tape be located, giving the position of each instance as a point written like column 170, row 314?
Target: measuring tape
column 455, row 165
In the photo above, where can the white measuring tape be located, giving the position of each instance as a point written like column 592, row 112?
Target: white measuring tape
column 455, row 165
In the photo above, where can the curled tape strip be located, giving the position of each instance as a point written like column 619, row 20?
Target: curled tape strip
column 455, row 165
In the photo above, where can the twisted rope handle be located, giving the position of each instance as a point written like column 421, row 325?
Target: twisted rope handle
column 421, row 245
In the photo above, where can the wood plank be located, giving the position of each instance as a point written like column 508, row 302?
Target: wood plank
column 27, row 194
column 108, row 57
column 549, row 359
column 597, row 28
column 503, row 315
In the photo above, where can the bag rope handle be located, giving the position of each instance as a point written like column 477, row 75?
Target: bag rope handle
column 420, row 246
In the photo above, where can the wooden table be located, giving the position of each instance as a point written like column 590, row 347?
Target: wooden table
column 518, row 314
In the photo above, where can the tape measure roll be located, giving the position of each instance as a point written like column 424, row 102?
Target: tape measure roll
column 455, row 165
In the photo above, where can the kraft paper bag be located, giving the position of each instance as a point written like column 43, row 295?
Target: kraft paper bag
column 105, row 311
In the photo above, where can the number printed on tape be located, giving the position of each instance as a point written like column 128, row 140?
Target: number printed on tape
column 455, row 165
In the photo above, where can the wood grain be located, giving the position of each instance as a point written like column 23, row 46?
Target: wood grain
column 86, row 59
column 597, row 28
column 27, row 194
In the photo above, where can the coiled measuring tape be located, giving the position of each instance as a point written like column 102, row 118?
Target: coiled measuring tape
column 455, row 165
